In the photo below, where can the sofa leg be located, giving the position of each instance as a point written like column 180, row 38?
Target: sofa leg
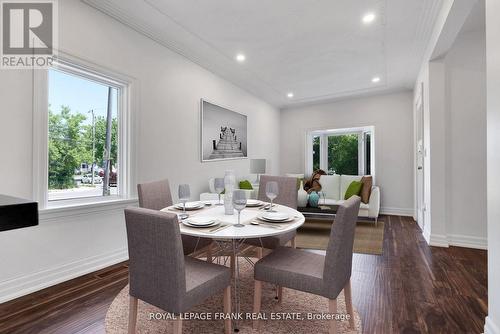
column 376, row 221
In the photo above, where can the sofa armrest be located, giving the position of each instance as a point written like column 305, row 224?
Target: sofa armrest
column 374, row 203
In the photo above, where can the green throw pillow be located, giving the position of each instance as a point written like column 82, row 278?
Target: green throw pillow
column 353, row 189
column 246, row 185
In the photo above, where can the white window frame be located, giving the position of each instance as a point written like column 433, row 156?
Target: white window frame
column 89, row 71
column 323, row 158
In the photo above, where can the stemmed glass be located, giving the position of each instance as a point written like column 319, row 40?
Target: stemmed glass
column 272, row 192
column 239, row 203
column 184, row 195
column 219, row 187
column 322, row 195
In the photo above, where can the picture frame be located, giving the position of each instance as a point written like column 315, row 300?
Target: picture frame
column 223, row 133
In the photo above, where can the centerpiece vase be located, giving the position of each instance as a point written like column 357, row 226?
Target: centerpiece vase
column 229, row 183
column 302, row 196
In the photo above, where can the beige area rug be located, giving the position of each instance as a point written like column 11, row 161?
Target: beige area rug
column 315, row 234
column 293, row 301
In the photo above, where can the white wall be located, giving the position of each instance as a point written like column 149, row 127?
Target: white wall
column 493, row 151
column 465, row 66
column 391, row 114
column 166, row 136
column 454, row 135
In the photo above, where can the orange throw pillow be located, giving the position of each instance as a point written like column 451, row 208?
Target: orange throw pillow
column 366, row 190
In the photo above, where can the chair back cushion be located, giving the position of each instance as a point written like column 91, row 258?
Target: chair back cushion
column 287, row 187
column 156, row 258
column 338, row 260
column 154, row 195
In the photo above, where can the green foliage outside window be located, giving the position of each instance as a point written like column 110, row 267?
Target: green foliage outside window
column 343, row 154
column 316, row 149
column 70, row 145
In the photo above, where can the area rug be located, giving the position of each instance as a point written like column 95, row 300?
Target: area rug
column 315, row 234
column 307, row 305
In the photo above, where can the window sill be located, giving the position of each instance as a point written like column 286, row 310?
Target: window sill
column 65, row 208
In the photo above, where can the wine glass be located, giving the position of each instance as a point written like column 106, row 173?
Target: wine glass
column 272, row 192
column 219, row 187
column 239, row 203
column 322, row 195
column 184, row 195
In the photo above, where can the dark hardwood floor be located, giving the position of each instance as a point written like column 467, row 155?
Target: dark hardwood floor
column 411, row 288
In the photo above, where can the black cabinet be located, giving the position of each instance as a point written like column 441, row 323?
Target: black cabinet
column 17, row 213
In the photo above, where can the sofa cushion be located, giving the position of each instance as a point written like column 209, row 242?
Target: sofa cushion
column 366, row 189
column 246, row 185
column 330, row 186
column 328, row 201
column 298, row 176
column 353, row 190
column 345, row 181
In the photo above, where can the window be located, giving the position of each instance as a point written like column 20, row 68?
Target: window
column 81, row 133
column 341, row 151
column 315, row 147
column 343, row 154
column 81, row 126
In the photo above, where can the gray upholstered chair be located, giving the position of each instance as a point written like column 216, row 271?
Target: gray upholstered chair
column 159, row 272
column 322, row 275
column 156, row 196
column 287, row 196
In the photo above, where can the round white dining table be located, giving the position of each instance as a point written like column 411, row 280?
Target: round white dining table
column 227, row 230
column 231, row 237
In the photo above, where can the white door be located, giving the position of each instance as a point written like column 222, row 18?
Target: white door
column 420, row 152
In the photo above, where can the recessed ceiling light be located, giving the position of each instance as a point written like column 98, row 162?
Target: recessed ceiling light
column 368, row 18
column 290, row 95
column 240, row 57
column 376, row 79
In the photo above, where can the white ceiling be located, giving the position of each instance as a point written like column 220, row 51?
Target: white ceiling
column 317, row 49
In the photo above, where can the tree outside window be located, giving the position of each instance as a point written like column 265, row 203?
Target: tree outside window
column 343, row 154
column 78, row 114
column 346, row 151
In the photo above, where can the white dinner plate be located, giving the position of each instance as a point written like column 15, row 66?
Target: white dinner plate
column 254, row 202
column 201, row 221
column 275, row 216
column 190, row 224
column 290, row 219
column 190, row 205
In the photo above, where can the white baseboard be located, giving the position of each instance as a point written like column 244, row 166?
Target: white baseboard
column 24, row 285
column 397, row 211
column 438, row 240
column 467, row 241
column 490, row 327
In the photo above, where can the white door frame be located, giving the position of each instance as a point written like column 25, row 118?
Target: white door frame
column 419, row 161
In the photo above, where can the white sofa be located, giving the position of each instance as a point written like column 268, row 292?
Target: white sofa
column 335, row 186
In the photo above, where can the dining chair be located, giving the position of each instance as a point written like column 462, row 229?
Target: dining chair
column 156, row 196
column 287, row 196
column 161, row 275
column 321, row 275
